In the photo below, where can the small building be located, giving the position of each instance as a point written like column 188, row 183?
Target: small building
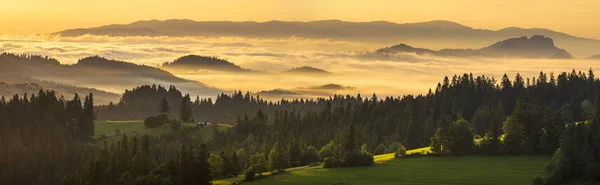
column 203, row 123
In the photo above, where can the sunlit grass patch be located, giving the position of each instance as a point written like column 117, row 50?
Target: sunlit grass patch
column 424, row 150
column 383, row 158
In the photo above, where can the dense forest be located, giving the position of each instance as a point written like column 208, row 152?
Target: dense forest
column 43, row 137
column 410, row 119
column 465, row 114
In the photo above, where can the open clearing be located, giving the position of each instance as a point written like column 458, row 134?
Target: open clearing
column 135, row 127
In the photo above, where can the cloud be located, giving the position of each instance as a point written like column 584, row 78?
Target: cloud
column 10, row 45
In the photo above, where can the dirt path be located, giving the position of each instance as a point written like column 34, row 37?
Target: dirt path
column 225, row 125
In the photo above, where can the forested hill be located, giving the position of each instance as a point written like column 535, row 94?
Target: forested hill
column 195, row 63
column 142, row 101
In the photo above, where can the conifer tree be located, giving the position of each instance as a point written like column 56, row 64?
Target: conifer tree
column 163, row 110
column 185, row 109
column 86, row 131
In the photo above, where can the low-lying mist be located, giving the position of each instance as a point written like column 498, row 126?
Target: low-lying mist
column 350, row 63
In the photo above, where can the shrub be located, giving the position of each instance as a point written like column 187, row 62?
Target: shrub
column 328, row 150
column 152, row 122
column 310, row 155
column 358, row 159
column 454, row 139
column 380, row 149
column 331, row 162
column 392, row 148
column 401, row 151
column 217, row 165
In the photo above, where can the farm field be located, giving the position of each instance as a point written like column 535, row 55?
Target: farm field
column 467, row 170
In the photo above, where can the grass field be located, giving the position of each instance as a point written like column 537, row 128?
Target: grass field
column 467, row 170
column 108, row 128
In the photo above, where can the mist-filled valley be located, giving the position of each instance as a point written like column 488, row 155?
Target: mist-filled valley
column 353, row 67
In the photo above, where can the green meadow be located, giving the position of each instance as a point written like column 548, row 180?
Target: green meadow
column 461, row 170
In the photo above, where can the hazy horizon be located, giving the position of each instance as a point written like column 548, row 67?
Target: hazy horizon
column 37, row 16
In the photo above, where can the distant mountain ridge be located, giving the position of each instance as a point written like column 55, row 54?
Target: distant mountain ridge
column 537, row 46
column 446, row 34
column 94, row 71
column 198, row 63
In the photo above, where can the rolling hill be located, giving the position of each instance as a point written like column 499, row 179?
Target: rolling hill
column 195, row 63
column 433, row 34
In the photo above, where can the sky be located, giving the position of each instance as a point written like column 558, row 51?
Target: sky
column 576, row 17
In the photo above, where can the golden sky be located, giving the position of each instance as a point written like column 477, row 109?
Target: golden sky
column 577, row 17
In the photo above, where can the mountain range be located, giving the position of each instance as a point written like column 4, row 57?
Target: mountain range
column 433, row 34
column 537, row 46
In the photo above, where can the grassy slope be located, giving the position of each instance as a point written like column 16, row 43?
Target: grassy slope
column 133, row 127
column 468, row 170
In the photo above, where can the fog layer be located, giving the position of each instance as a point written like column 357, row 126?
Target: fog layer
column 351, row 63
